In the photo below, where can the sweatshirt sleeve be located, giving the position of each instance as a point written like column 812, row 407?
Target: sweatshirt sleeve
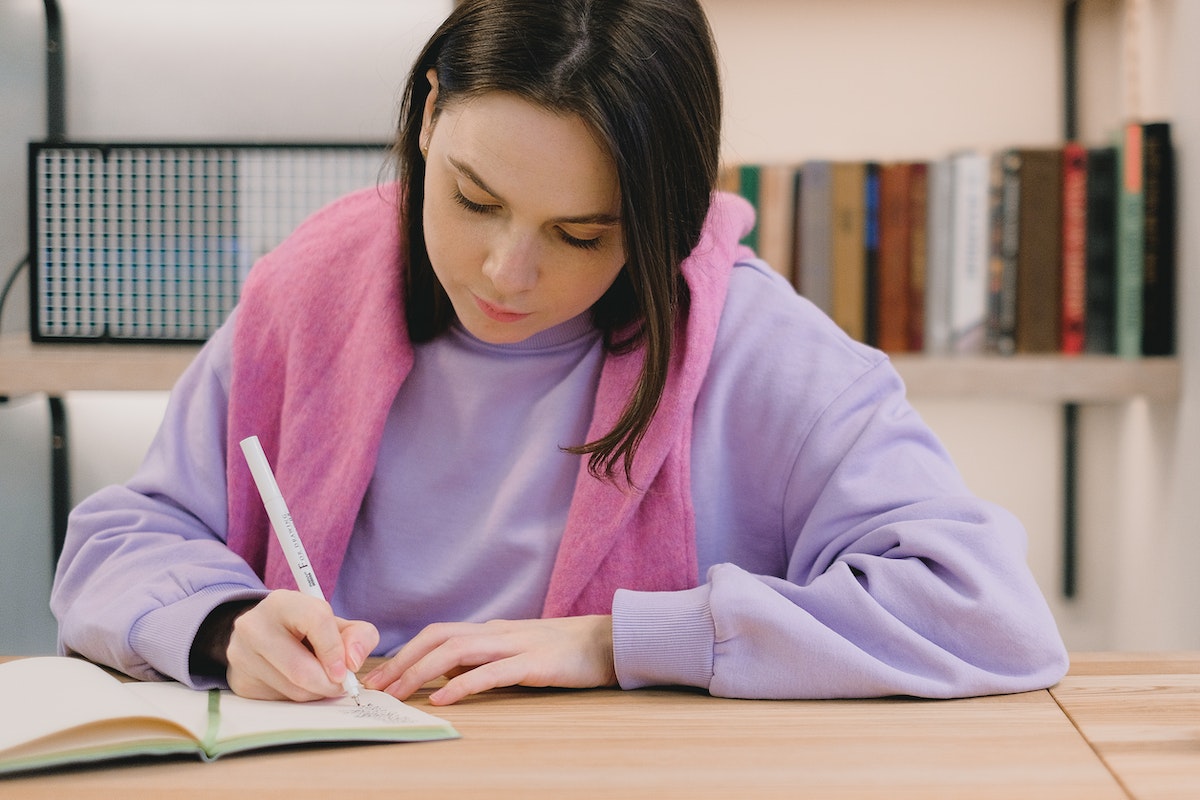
column 891, row 578
column 145, row 562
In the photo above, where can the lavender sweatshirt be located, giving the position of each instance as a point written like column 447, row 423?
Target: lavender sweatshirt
column 840, row 553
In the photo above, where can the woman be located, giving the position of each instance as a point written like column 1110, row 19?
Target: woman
column 554, row 428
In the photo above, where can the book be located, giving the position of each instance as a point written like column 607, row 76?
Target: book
column 918, row 217
column 815, row 278
column 937, row 261
column 871, row 258
column 776, row 217
column 1130, row 273
column 1005, row 193
column 60, row 710
column 1074, row 247
column 1158, row 240
column 1100, row 250
column 893, row 274
column 969, row 231
column 849, row 210
column 797, row 224
column 749, row 187
column 1039, row 251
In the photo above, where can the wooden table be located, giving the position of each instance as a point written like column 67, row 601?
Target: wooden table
column 1141, row 714
column 1118, row 726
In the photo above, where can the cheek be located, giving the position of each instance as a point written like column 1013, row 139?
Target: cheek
column 450, row 242
column 584, row 285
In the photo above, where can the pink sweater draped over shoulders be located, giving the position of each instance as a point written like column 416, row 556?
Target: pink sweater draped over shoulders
column 321, row 349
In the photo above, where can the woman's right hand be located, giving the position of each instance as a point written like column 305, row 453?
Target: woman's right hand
column 291, row 646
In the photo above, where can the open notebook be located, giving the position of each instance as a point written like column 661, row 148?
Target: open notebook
column 65, row 710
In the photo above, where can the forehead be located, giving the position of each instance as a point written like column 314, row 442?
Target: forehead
column 521, row 149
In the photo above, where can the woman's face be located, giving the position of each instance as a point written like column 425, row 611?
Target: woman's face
column 522, row 214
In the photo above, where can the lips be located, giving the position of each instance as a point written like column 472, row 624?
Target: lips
column 498, row 313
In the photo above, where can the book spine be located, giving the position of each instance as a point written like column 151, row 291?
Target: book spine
column 815, row 235
column 969, row 254
column 937, row 265
column 775, row 216
column 918, row 199
column 797, row 254
column 1074, row 254
column 1158, row 242
column 1039, row 252
column 749, row 188
column 894, row 265
column 871, row 247
column 848, row 200
column 1130, row 273
column 1100, row 249
column 1002, row 287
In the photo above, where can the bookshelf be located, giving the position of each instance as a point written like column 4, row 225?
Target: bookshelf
column 918, row 81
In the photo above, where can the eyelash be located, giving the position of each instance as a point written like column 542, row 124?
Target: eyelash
column 478, row 208
column 470, row 205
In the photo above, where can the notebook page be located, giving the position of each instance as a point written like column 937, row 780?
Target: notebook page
column 242, row 718
column 44, row 695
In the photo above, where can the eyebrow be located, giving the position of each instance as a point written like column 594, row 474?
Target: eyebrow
column 584, row 219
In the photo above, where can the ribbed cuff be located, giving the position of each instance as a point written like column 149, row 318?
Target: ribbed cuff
column 663, row 638
column 163, row 637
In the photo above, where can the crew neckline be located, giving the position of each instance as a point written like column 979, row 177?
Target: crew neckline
column 574, row 330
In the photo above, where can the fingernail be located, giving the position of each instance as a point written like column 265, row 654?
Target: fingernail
column 357, row 656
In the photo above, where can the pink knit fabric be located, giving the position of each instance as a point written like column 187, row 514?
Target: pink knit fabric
column 321, row 349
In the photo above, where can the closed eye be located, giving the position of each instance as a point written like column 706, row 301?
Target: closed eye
column 582, row 244
column 471, row 205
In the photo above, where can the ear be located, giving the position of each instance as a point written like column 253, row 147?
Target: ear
column 427, row 113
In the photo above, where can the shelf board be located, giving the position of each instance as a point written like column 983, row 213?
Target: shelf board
column 1040, row 378
column 56, row 368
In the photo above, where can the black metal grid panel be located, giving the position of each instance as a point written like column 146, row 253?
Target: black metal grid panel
column 151, row 242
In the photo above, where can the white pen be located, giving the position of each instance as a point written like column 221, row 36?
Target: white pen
column 285, row 531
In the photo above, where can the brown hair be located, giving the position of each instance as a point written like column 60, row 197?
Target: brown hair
column 643, row 75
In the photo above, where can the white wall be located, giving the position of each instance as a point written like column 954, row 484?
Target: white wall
column 1179, row 555
column 26, row 627
column 869, row 78
column 22, row 96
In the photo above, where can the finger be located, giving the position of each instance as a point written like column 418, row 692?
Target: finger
column 277, row 647
column 514, row 671
column 314, row 623
column 273, row 667
column 430, row 637
column 468, row 650
column 262, row 681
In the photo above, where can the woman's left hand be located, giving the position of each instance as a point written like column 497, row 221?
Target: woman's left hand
column 569, row 652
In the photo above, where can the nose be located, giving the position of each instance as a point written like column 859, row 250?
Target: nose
column 512, row 263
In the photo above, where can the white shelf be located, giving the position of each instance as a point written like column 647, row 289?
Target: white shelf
column 1045, row 378
column 27, row 367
